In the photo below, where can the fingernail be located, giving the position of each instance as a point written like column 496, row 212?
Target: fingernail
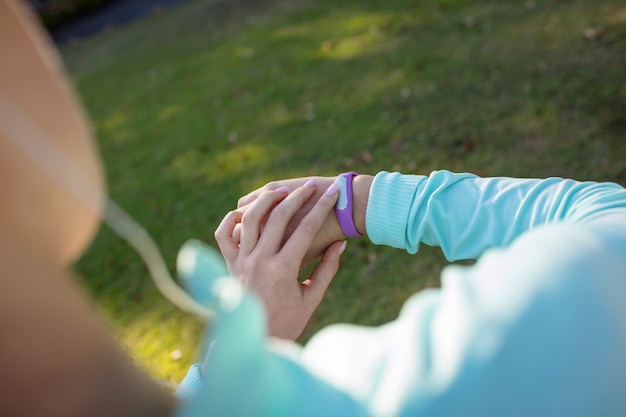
column 283, row 190
column 343, row 247
column 311, row 183
column 332, row 189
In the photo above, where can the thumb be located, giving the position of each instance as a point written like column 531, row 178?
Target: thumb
column 323, row 274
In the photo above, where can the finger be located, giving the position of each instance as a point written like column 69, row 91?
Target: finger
column 237, row 231
column 292, row 184
column 282, row 214
column 315, row 287
column 301, row 239
column 237, row 234
column 253, row 217
column 250, row 197
column 229, row 246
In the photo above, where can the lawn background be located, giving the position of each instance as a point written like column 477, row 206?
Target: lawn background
column 199, row 104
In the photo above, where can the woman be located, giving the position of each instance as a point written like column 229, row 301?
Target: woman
column 536, row 327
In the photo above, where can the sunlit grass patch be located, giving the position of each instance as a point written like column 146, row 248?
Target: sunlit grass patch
column 194, row 164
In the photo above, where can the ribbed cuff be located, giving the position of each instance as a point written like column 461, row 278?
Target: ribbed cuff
column 388, row 207
column 191, row 384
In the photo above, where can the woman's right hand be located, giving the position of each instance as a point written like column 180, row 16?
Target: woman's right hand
column 330, row 231
column 268, row 265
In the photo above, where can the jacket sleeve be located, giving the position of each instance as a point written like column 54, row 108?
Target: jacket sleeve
column 537, row 326
column 465, row 214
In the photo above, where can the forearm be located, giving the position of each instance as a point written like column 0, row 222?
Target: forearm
column 465, row 214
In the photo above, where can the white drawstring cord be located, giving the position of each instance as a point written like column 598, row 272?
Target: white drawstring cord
column 22, row 132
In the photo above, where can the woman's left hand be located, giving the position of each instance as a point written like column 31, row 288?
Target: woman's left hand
column 268, row 267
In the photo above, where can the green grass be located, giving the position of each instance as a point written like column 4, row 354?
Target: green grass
column 200, row 104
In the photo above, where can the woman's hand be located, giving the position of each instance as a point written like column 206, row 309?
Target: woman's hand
column 329, row 231
column 252, row 241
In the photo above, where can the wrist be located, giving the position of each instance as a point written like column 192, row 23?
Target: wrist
column 361, row 185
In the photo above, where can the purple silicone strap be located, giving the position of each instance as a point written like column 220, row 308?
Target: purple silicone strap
column 343, row 207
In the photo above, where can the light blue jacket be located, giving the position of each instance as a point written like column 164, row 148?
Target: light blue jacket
column 537, row 327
